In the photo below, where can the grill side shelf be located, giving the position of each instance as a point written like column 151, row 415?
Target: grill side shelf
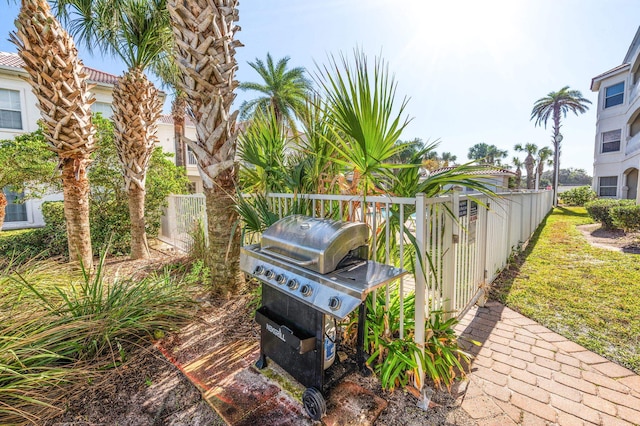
column 270, row 324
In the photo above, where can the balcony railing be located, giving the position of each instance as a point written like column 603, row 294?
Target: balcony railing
column 633, row 145
column 191, row 158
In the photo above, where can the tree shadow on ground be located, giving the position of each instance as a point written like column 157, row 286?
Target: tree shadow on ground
column 501, row 286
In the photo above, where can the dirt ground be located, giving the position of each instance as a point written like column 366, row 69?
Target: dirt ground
column 149, row 390
column 614, row 239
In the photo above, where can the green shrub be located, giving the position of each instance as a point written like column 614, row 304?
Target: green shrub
column 600, row 210
column 626, row 217
column 38, row 243
column 578, row 196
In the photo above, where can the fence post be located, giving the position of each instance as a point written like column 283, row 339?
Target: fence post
column 449, row 249
column 421, row 304
column 172, row 219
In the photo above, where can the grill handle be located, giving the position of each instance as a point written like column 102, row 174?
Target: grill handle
column 298, row 262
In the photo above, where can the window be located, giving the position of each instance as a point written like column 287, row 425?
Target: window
column 611, row 141
column 608, row 186
column 15, row 212
column 103, row 108
column 614, row 95
column 10, row 112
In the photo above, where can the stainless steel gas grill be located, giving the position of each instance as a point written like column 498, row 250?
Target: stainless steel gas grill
column 313, row 271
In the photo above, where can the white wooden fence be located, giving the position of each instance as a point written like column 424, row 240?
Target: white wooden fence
column 456, row 244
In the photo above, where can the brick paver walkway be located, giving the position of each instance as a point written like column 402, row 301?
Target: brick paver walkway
column 523, row 373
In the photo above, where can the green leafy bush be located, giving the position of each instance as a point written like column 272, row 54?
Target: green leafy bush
column 626, row 217
column 578, row 196
column 600, row 210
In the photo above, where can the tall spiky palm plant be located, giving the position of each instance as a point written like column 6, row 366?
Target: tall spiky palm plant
column 284, row 90
column 364, row 119
column 60, row 85
column 556, row 105
column 529, row 162
column 138, row 32
column 204, row 32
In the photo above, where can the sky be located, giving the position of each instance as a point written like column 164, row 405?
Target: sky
column 470, row 69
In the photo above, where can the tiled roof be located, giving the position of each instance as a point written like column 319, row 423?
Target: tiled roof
column 490, row 171
column 12, row 60
column 168, row 119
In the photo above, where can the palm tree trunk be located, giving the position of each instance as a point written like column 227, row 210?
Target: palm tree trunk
column 59, row 83
column 76, row 210
column 139, row 245
column 3, row 205
column 224, row 234
column 204, row 33
column 178, row 112
column 136, row 109
column 556, row 152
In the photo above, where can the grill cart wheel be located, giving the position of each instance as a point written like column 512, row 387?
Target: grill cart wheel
column 314, row 404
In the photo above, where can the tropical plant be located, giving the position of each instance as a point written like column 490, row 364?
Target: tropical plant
column 26, row 165
column 59, row 328
column 396, row 358
column 488, row 154
column 60, row 85
column 448, row 158
column 529, row 162
column 556, row 105
column 285, row 91
column 363, row 118
column 545, row 155
column 261, row 147
column 138, row 32
column 204, row 34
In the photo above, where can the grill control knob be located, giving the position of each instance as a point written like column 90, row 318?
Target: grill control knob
column 293, row 284
column 259, row 270
column 306, row 290
column 334, row 303
column 270, row 274
column 281, row 279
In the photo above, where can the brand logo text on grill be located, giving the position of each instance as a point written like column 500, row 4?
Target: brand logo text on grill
column 276, row 332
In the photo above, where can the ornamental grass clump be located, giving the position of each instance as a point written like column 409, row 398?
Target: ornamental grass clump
column 58, row 328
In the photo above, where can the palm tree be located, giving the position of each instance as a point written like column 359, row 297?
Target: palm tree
column 529, row 162
column 364, row 120
column 516, row 162
column 544, row 159
column 138, row 32
column 554, row 105
column 490, row 154
column 447, row 158
column 60, row 85
column 285, row 90
column 204, row 34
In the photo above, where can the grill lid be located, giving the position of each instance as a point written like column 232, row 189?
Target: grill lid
column 313, row 243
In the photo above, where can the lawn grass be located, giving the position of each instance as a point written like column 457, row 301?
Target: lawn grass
column 587, row 294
